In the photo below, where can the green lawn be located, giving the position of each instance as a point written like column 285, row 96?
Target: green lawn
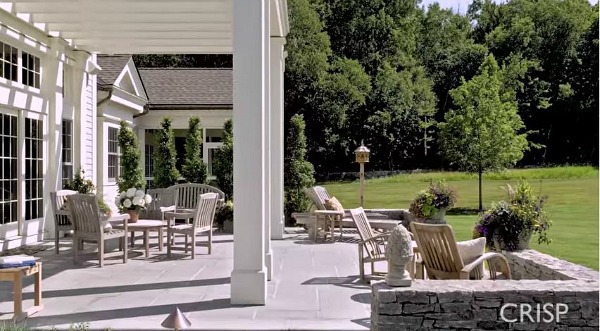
column 572, row 203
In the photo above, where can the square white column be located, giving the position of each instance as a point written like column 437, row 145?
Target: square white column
column 267, row 134
column 277, row 136
column 249, row 278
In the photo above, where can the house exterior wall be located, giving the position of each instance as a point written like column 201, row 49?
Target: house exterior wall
column 30, row 161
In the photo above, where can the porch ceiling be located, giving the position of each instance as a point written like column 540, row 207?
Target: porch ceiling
column 141, row 26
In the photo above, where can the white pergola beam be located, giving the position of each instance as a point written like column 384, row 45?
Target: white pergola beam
column 124, row 7
column 101, row 19
column 128, row 27
column 201, row 38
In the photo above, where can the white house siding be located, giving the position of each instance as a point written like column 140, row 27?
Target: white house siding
column 46, row 105
column 88, row 109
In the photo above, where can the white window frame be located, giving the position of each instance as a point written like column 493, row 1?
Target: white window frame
column 42, row 118
column 19, row 79
column 112, row 180
column 62, row 150
column 206, row 146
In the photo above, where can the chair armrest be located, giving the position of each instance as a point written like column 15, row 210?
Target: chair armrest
column 383, row 236
column 505, row 269
column 121, row 217
column 167, row 209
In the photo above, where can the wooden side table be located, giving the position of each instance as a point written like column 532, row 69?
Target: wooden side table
column 15, row 275
column 145, row 226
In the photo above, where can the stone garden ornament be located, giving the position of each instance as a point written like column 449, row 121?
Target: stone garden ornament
column 398, row 253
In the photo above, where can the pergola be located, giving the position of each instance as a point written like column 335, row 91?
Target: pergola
column 254, row 31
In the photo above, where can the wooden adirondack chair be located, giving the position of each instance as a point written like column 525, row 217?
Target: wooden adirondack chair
column 439, row 250
column 203, row 216
column 88, row 225
column 62, row 220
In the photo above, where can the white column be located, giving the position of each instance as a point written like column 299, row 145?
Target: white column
column 277, row 136
column 267, row 134
column 53, row 82
column 141, row 134
column 249, row 278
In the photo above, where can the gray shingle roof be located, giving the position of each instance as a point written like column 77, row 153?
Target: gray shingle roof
column 112, row 66
column 188, row 86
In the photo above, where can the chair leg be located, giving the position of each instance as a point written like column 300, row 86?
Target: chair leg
column 56, row 241
column 75, row 249
column 361, row 265
column 210, row 241
column 193, row 245
column 186, row 243
column 125, row 249
column 101, row 252
column 169, row 241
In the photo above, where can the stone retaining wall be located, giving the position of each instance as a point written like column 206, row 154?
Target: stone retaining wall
column 531, row 264
column 486, row 305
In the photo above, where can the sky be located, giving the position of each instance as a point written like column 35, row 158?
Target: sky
column 463, row 5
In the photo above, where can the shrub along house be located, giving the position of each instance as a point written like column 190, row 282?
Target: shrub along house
column 50, row 124
column 143, row 97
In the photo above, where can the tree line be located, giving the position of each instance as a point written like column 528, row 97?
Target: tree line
column 386, row 71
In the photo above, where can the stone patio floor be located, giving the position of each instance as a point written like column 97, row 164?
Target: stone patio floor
column 315, row 286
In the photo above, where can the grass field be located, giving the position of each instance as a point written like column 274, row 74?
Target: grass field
column 572, row 203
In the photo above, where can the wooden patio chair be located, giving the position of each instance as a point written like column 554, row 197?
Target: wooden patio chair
column 62, row 220
column 373, row 243
column 203, row 216
column 163, row 200
column 439, row 250
column 88, row 226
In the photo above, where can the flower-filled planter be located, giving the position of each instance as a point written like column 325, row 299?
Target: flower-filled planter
column 430, row 205
column 224, row 217
column 509, row 225
column 132, row 201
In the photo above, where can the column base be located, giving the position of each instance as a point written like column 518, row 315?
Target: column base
column 269, row 264
column 277, row 229
column 248, row 287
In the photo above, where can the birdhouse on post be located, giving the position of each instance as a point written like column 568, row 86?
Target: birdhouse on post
column 362, row 157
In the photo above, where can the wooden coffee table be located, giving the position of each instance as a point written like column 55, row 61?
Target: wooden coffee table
column 15, row 275
column 146, row 226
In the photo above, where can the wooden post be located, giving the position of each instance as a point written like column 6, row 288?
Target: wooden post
column 362, row 183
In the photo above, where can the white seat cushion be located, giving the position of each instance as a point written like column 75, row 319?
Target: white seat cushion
column 469, row 251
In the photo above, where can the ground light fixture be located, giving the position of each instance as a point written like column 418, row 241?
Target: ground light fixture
column 362, row 157
column 176, row 321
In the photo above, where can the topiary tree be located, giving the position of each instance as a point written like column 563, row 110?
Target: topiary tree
column 165, row 156
column 131, row 174
column 298, row 173
column 223, row 161
column 194, row 169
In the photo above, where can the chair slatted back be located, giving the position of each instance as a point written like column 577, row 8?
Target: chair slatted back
column 85, row 213
column 437, row 246
column 318, row 195
column 60, row 207
column 186, row 195
column 374, row 249
column 161, row 197
column 205, row 210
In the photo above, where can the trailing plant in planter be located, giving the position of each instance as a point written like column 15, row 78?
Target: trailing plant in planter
column 86, row 186
column 433, row 202
column 508, row 225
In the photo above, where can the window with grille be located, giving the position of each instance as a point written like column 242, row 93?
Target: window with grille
column 8, row 174
column 113, row 154
column 34, row 169
column 9, row 62
column 67, row 151
column 30, row 72
column 149, row 161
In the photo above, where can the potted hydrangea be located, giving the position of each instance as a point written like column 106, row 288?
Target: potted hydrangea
column 132, row 201
column 509, row 225
column 430, row 205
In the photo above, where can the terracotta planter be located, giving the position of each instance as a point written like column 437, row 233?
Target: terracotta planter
column 134, row 216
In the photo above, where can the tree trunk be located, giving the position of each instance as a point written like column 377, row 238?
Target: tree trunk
column 480, row 199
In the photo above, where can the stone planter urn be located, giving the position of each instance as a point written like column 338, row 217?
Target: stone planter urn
column 437, row 218
column 519, row 244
